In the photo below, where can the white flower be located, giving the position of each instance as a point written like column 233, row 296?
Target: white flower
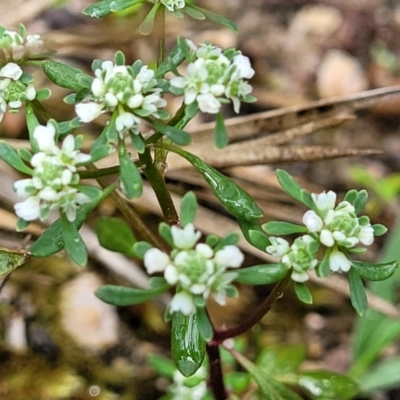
column 87, row 112
column 125, row 121
column 28, row 209
column 229, row 256
column 339, row 262
column 185, row 238
column 366, row 235
column 171, row 5
column 11, row 71
column 278, row 246
column 155, row 261
column 22, row 186
column 324, row 201
column 182, row 302
column 208, row 103
column 44, row 135
column 242, row 67
column 312, row 221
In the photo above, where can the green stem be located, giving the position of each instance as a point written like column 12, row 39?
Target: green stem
column 98, row 173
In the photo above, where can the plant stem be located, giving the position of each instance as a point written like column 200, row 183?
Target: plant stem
column 257, row 315
column 216, row 380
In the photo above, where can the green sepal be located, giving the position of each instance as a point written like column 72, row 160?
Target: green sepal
column 115, row 234
column 303, row 293
column 233, row 198
column 212, row 240
column 204, row 324
column 131, row 181
column 252, row 232
column 270, row 388
column 43, row 94
column 65, row 76
column 176, row 135
column 187, row 346
column 52, row 241
column 322, row 269
column 216, row 18
column 10, row 260
column 262, row 274
column 98, row 10
column 379, row 229
column 126, row 296
column 12, row 158
column 221, row 139
column 229, row 239
column 361, row 201
column 375, row 272
column 140, row 248
column 21, row 225
column 357, row 292
column 188, row 208
column 147, row 25
column 137, row 143
column 164, row 231
column 278, row 228
column 73, row 242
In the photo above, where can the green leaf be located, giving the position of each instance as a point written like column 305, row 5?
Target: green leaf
column 187, row 346
column 204, row 324
column 188, row 208
column 303, row 293
column 126, row 296
column 234, row 199
column 66, row 127
column 11, row 157
column 131, row 181
column 361, row 201
column 379, row 229
column 52, row 241
column 351, row 196
column 140, row 248
column 278, row 358
column 252, row 232
column 327, row 385
column 43, row 94
column 216, row 18
column 147, row 25
column 375, row 272
column 357, row 292
column 31, row 122
column 74, row 245
column 64, row 75
column 120, row 5
column 11, row 260
column 279, row 228
column 137, row 143
column 220, row 135
column 269, row 387
column 176, row 135
column 175, row 58
column 165, row 232
column 230, row 239
column 115, row 234
column 193, row 13
column 162, row 365
column 237, row 381
column 98, row 10
column 293, row 189
column 25, row 154
column 323, row 270
column 263, row 274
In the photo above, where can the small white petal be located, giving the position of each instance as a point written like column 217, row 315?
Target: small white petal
column 155, row 261
column 312, row 221
column 20, row 187
column 208, row 103
column 338, row 261
column 324, row 201
column 366, row 235
column 171, row 274
column 29, row 209
column 87, row 112
column 204, row 250
column 299, row 276
column 44, row 135
column 229, row 256
column 326, row 238
column 243, row 67
column 198, row 288
column 278, row 246
column 182, row 302
column 12, row 71
column 185, row 238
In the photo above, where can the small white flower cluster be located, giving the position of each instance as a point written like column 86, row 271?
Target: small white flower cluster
column 16, row 46
column 53, row 183
column 15, row 88
column 189, row 388
column 173, row 5
column 118, row 87
column 212, row 75
column 337, row 228
column 195, row 269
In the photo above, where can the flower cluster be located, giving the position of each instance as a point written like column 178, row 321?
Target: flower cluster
column 337, row 228
column 16, row 46
column 131, row 91
column 15, row 88
column 54, row 182
column 211, row 75
column 197, row 270
column 173, row 5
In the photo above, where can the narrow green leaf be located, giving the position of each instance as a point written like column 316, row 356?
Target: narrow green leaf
column 74, row 245
column 52, row 241
column 263, row 274
column 279, row 228
column 120, row 5
column 187, row 346
column 220, row 135
column 147, row 25
column 193, row 13
column 188, row 208
column 216, row 18
column 323, row 270
column 176, row 135
column 269, row 387
column 126, row 296
column 252, row 232
column 31, row 122
column 234, row 199
column 25, row 154
column 357, row 292
column 204, row 324
column 137, row 143
column 174, row 59
column 115, row 234
column 10, row 260
column 140, row 248
column 98, row 10
column 162, row 365
column 11, row 157
column 64, row 75
column 375, row 272
column 303, row 293
column 131, row 181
